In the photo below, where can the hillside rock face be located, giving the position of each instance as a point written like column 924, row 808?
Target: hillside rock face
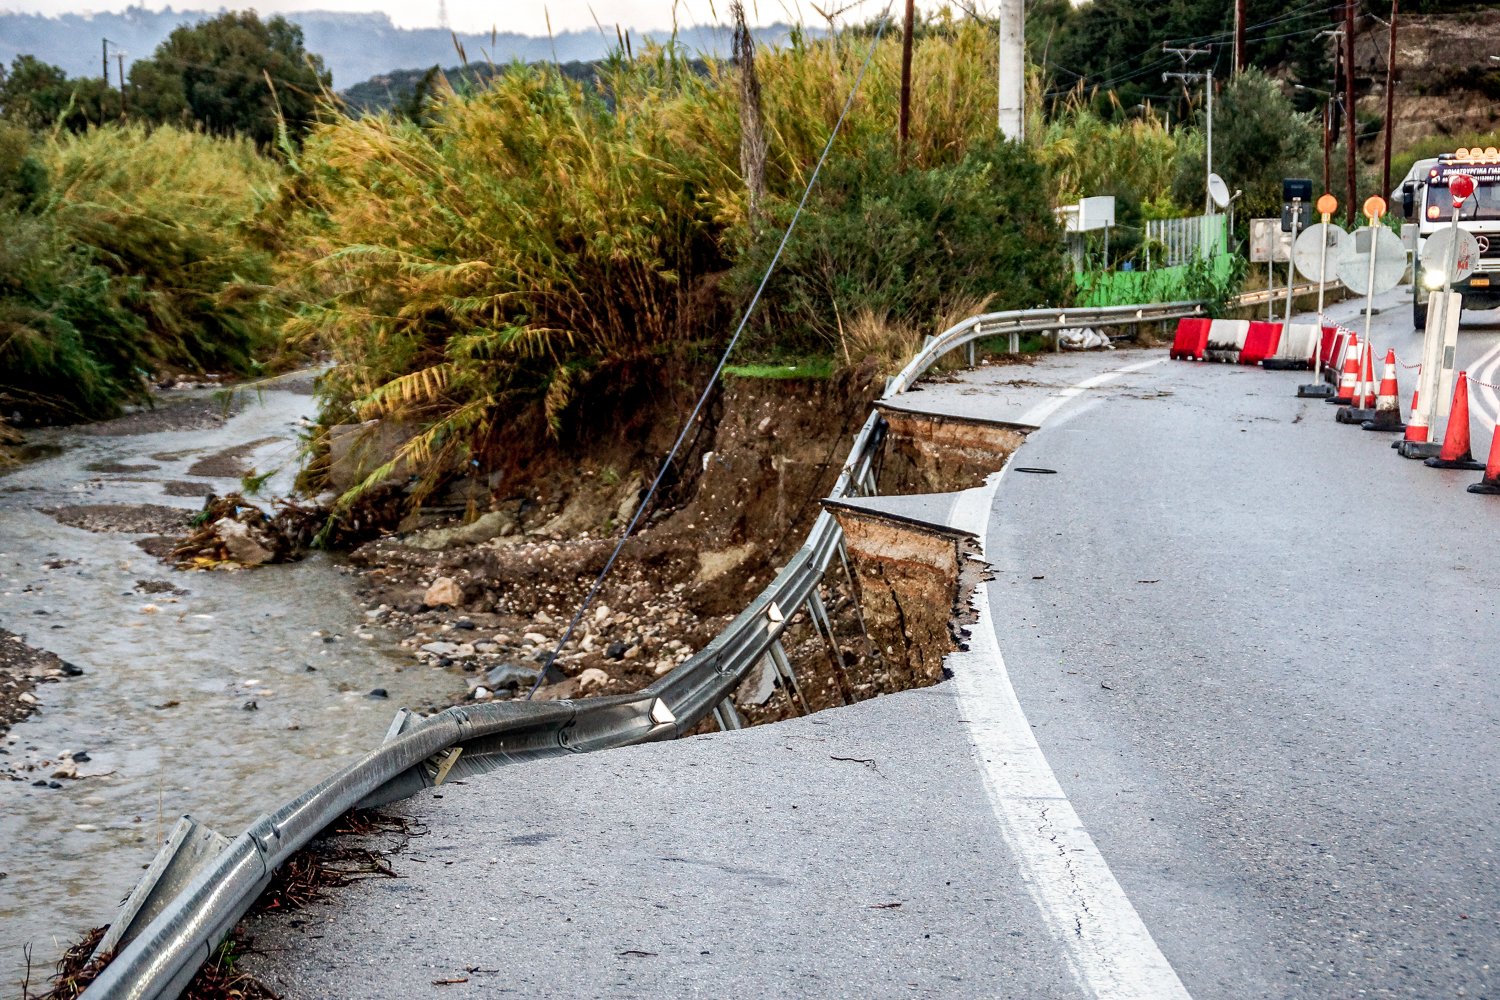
column 1446, row 83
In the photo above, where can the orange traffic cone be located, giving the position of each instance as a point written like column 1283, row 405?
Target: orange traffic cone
column 1456, row 453
column 1388, row 403
column 1490, row 484
column 1362, row 404
column 1350, row 374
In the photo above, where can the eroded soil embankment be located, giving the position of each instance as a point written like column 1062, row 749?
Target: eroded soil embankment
column 490, row 601
column 517, row 574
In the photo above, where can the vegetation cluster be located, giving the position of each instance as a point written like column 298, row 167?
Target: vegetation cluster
column 125, row 252
column 481, row 257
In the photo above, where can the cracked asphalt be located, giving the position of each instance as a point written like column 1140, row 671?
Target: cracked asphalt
column 1255, row 646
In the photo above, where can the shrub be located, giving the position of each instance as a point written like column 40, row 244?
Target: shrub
column 124, row 251
column 897, row 247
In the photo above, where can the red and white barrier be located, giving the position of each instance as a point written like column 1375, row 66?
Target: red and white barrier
column 1226, row 340
column 1191, row 339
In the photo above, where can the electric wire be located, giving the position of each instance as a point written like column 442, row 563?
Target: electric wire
column 713, row 380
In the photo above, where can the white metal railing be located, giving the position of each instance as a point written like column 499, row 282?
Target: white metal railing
column 1170, row 242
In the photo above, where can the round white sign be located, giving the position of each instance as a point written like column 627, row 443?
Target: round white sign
column 1319, row 246
column 1437, row 253
column 1354, row 261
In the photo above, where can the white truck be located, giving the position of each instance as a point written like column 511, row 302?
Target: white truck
column 1425, row 201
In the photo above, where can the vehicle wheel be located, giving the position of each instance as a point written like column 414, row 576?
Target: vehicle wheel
column 1419, row 315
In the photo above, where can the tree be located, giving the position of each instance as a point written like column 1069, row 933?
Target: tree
column 1258, row 140
column 40, row 96
column 215, row 74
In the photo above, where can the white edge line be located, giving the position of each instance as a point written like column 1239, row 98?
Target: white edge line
column 1107, row 946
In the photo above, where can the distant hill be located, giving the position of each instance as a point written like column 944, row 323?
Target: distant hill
column 355, row 47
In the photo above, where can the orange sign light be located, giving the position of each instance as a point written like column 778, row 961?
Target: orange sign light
column 1374, row 207
column 1328, row 204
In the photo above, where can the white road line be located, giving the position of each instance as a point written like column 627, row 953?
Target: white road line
column 1107, row 945
column 1484, row 369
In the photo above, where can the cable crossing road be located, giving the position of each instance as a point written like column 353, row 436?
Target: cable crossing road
column 1228, row 726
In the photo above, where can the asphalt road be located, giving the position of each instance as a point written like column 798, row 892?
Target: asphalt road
column 1229, row 726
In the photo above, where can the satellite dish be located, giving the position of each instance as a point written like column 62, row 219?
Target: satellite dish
column 1320, row 246
column 1218, row 190
column 1354, row 261
column 1438, row 246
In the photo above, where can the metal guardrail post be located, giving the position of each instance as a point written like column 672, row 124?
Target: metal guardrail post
column 824, row 627
column 727, row 716
column 859, row 612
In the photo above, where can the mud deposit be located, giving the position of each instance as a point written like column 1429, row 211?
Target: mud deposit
column 218, row 694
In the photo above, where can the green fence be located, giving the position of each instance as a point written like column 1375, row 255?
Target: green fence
column 1198, row 280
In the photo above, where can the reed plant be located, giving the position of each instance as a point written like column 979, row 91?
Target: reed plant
column 123, row 252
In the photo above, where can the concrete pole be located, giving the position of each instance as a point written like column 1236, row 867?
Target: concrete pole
column 1012, row 117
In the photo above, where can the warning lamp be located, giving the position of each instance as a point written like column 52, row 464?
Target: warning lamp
column 1461, row 186
column 1328, row 204
column 1434, row 212
column 1491, row 151
column 1462, row 152
column 1374, row 207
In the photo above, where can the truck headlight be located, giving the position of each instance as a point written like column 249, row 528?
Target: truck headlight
column 1432, row 279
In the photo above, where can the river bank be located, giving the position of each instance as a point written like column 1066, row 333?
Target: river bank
column 211, row 693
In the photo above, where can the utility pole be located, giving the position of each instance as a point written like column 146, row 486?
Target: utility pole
column 903, row 123
column 1241, row 58
column 120, row 61
column 1349, row 115
column 1331, row 120
column 1012, row 70
column 104, row 61
column 1390, row 98
column 1187, row 54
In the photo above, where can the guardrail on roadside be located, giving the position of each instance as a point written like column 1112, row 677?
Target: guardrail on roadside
column 201, row 884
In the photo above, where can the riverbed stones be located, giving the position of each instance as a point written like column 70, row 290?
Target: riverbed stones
column 591, row 678
column 245, row 546
column 444, row 592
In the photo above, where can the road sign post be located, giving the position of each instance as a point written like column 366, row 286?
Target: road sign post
column 1324, row 234
column 1440, row 337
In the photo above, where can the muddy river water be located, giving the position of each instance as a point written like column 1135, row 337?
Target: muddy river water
column 218, row 694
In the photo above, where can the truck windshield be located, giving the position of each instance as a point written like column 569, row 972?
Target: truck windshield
column 1483, row 207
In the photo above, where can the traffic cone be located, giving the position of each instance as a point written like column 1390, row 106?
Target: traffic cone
column 1490, row 484
column 1456, row 453
column 1414, row 443
column 1388, row 403
column 1350, row 373
column 1362, row 403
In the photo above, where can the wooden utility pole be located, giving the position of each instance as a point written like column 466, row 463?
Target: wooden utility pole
column 903, row 124
column 1241, row 59
column 1390, row 98
column 1349, row 115
column 104, row 60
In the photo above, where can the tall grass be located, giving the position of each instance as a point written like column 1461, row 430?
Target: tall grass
column 543, row 235
column 122, row 252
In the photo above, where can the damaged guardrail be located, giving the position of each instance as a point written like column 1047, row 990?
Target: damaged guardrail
column 201, row 883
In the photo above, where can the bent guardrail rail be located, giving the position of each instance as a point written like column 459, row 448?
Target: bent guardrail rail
column 193, row 895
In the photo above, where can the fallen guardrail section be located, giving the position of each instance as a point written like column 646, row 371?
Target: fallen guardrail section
column 202, row 883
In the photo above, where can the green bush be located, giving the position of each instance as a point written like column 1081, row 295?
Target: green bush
column 123, row 252
column 905, row 246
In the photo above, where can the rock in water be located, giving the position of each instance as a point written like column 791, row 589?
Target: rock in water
column 444, row 590
column 242, row 545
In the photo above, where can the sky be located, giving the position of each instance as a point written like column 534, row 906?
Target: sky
column 529, row 17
